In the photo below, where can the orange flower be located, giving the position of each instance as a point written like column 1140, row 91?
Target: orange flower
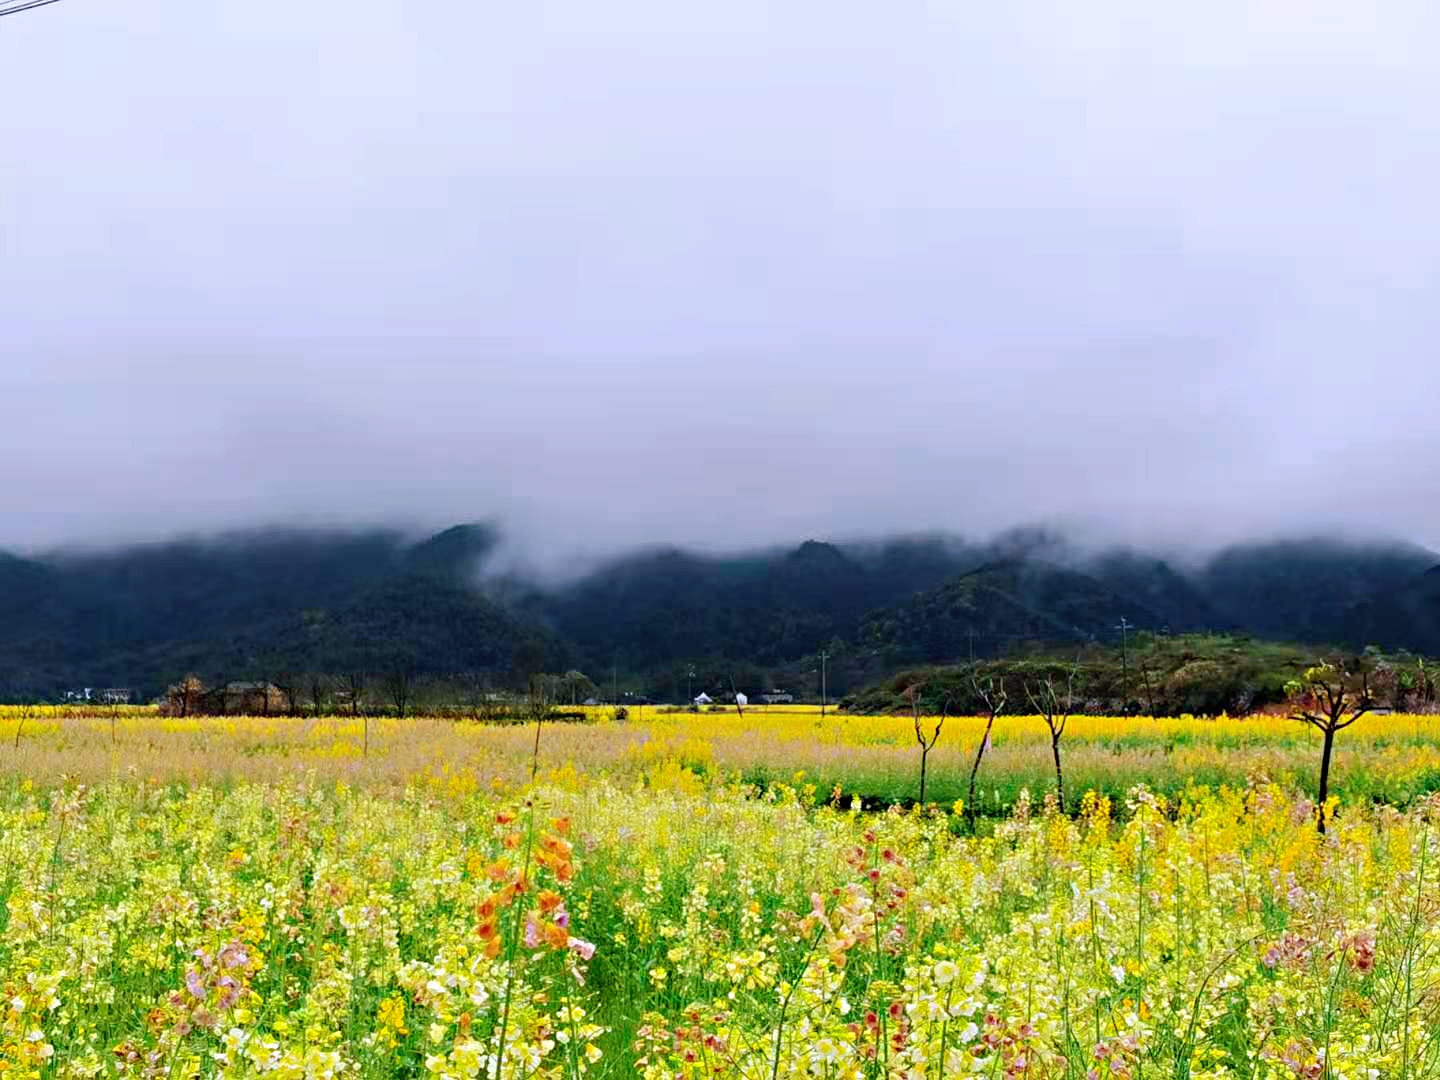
column 549, row 900
column 557, row 937
column 561, row 825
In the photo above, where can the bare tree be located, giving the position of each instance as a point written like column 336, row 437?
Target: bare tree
column 358, row 684
column 318, row 689
column 926, row 740
column 539, row 704
column 291, row 687
column 1330, row 697
column 353, row 684
column 474, row 687
column 1054, row 704
column 399, row 687
column 20, row 725
column 485, row 704
column 991, row 693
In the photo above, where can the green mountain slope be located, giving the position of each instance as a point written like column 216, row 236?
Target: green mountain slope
column 997, row 608
column 662, row 607
column 244, row 606
column 1406, row 616
column 1308, row 590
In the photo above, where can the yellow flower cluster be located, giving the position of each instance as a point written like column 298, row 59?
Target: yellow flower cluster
column 304, row 927
column 705, row 896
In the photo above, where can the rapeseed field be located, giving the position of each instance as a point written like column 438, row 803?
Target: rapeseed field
column 264, row 897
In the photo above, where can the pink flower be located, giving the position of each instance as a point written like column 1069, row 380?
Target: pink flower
column 532, row 934
column 234, row 956
column 195, row 985
column 584, row 948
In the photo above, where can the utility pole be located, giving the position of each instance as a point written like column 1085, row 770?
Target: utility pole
column 615, row 683
column 1145, row 672
column 1124, row 628
column 690, row 685
column 824, row 656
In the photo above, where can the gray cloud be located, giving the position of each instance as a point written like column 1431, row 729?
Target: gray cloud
column 719, row 273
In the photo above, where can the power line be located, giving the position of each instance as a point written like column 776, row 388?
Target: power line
column 23, row 5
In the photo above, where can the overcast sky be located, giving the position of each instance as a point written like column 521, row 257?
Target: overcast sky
column 630, row 270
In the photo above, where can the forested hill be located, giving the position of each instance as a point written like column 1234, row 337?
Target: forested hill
column 257, row 605
column 254, row 606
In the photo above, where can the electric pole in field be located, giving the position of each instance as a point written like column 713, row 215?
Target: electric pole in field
column 690, row 685
column 1125, row 627
column 824, row 688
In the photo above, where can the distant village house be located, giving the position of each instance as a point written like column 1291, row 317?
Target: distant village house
column 114, row 695
column 190, row 698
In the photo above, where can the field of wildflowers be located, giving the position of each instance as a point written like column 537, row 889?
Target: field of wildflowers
column 1393, row 759
column 260, row 897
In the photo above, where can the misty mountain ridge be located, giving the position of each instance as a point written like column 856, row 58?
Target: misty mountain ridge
column 257, row 604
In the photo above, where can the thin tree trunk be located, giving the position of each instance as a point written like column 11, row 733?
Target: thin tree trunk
column 924, row 755
column 1325, row 777
column 975, row 771
column 1059, row 773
